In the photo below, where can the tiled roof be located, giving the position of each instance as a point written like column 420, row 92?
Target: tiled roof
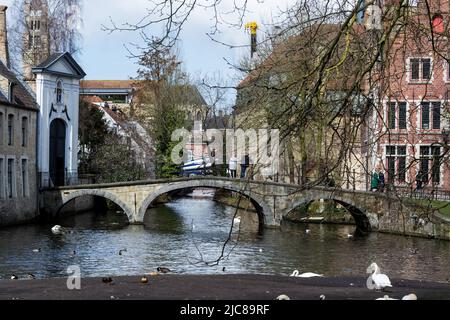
column 109, row 84
column 21, row 97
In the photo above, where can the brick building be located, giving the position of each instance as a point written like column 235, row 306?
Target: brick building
column 413, row 126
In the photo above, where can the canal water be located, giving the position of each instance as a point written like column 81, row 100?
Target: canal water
column 187, row 232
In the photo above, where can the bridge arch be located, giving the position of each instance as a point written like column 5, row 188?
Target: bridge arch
column 262, row 209
column 358, row 213
column 97, row 193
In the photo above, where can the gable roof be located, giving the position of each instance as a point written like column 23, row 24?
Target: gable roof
column 21, row 97
column 44, row 66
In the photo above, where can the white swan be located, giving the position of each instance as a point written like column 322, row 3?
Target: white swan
column 57, row 230
column 411, row 296
column 307, row 231
column 377, row 280
column 305, row 275
column 350, row 236
column 237, row 220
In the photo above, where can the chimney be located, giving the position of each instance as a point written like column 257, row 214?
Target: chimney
column 4, row 51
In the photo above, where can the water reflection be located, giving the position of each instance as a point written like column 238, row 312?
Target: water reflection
column 176, row 234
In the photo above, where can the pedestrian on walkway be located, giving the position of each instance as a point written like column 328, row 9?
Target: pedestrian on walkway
column 374, row 182
column 233, row 166
column 381, row 181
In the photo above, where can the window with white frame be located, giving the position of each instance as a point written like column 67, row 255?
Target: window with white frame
column 396, row 115
column 430, row 164
column 396, row 163
column 420, row 69
column 430, row 115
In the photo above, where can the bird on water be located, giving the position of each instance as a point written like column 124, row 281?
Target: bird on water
column 163, row 270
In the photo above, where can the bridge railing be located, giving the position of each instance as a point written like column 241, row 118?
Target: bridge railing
column 428, row 194
column 68, row 178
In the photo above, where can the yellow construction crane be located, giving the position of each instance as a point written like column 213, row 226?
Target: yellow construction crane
column 253, row 27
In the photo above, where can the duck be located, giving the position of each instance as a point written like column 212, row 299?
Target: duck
column 283, row 297
column 350, row 236
column 414, row 251
column 163, row 270
column 58, row 230
column 237, row 220
column 144, row 280
column 107, row 280
column 377, row 280
column 37, row 250
column 305, row 275
column 31, row 276
column 322, row 297
column 121, row 251
column 411, row 296
column 14, row 277
column 307, row 231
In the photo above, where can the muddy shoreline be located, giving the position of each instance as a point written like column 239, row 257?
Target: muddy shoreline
column 217, row 287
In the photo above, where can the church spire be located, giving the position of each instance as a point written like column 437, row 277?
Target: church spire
column 36, row 42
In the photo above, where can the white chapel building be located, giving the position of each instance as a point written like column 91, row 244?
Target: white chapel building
column 57, row 93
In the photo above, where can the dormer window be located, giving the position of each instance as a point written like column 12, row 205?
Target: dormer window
column 438, row 23
column 59, row 92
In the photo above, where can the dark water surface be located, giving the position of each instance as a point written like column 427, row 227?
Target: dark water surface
column 184, row 231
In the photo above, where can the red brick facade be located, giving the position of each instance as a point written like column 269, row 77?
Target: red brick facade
column 413, row 124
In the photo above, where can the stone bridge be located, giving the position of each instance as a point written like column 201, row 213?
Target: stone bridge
column 273, row 203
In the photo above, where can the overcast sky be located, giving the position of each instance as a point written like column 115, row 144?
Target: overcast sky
column 105, row 57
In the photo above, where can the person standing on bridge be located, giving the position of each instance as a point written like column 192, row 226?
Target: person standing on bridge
column 233, row 166
column 381, row 181
column 374, row 181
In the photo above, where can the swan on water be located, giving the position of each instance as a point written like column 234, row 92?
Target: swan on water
column 307, row 231
column 305, row 275
column 283, row 297
column 237, row 220
column 350, row 236
column 37, row 250
column 377, row 280
column 322, row 297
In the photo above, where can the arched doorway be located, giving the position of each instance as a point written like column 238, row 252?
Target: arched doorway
column 57, row 152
